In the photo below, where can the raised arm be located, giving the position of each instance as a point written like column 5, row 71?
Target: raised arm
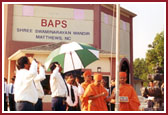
column 41, row 75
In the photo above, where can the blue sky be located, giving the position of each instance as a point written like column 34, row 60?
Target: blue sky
column 149, row 21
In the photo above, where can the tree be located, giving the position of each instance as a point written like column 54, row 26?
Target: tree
column 143, row 67
column 140, row 69
column 156, row 53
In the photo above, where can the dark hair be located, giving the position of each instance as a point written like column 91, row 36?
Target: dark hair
column 21, row 61
column 151, row 81
column 5, row 79
column 68, row 74
column 53, row 66
column 13, row 79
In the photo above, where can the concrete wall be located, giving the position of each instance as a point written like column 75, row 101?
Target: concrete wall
column 106, row 34
column 41, row 57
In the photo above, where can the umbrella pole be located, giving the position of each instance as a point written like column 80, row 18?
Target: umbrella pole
column 72, row 60
column 73, row 63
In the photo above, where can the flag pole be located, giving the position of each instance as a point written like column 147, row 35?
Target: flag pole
column 112, row 41
column 117, row 57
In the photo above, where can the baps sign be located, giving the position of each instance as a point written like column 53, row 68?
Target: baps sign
column 52, row 24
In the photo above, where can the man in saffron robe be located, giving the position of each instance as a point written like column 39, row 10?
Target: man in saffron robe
column 88, row 78
column 128, row 98
column 96, row 95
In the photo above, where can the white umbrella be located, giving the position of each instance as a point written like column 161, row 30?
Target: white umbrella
column 73, row 56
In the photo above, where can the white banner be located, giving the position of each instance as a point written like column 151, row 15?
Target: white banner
column 52, row 24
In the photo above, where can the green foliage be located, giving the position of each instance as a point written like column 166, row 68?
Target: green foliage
column 140, row 69
column 143, row 67
column 156, row 53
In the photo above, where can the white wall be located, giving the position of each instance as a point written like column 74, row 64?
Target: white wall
column 41, row 57
column 104, row 63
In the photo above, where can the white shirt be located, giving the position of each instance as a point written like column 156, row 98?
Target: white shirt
column 10, row 88
column 6, row 88
column 78, row 91
column 57, row 84
column 24, row 85
column 37, row 81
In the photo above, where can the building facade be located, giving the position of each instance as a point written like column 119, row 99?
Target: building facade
column 29, row 26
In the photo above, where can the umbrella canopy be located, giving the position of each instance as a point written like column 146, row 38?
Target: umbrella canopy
column 73, row 56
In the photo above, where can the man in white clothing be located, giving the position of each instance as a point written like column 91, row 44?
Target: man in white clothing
column 58, row 87
column 11, row 95
column 74, row 93
column 37, row 81
column 25, row 91
column 5, row 94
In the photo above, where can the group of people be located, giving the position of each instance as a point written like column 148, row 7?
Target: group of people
column 9, row 95
column 27, row 90
column 66, row 91
column 154, row 95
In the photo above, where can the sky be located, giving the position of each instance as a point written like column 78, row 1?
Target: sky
column 150, row 20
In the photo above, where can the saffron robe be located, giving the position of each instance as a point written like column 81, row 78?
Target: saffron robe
column 84, row 102
column 133, row 104
column 97, row 104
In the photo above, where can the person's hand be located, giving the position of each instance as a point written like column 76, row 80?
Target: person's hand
column 6, row 98
column 40, row 65
column 112, row 101
column 104, row 93
column 56, row 65
column 59, row 66
column 30, row 59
